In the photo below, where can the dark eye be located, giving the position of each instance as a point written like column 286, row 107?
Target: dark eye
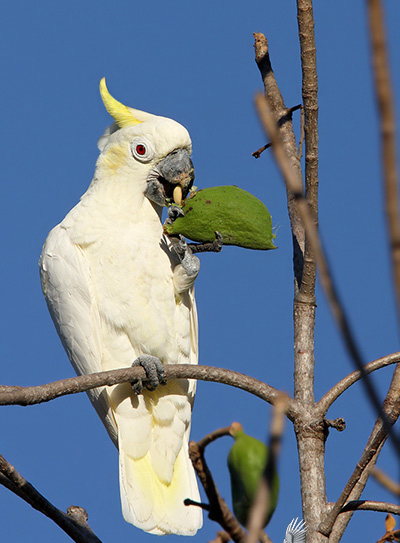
column 142, row 149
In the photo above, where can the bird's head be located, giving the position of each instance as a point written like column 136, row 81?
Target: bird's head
column 154, row 151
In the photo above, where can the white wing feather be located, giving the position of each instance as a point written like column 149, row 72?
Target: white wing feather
column 296, row 532
column 67, row 286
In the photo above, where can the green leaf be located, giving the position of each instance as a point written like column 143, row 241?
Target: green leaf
column 237, row 215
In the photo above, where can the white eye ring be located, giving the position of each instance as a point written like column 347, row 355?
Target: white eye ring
column 142, row 150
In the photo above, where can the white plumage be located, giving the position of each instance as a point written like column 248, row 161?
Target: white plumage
column 116, row 290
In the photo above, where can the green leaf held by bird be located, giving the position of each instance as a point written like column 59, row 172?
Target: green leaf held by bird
column 247, row 460
column 237, row 215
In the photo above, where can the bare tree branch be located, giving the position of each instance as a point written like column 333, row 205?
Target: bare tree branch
column 309, row 433
column 283, row 116
column 387, row 114
column 327, row 282
column 368, row 505
column 74, row 523
column 209, row 438
column 333, row 394
column 217, row 509
column 387, row 482
column 12, row 395
column 308, row 54
column 222, row 537
column 334, row 525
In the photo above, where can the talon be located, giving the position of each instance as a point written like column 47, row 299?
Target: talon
column 173, row 213
column 179, row 246
column 155, row 373
column 219, row 241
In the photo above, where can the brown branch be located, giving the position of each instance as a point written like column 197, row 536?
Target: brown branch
column 278, row 107
column 74, row 522
column 310, row 103
column 301, row 132
column 310, row 437
column 326, row 277
column 387, row 115
column 367, row 505
column 222, row 537
column 218, row 509
column 333, row 394
column 209, row 438
column 12, row 395
column 355, row 485
column 381, row 477
column 257, row 153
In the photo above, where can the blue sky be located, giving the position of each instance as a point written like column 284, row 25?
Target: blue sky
column 193, row 62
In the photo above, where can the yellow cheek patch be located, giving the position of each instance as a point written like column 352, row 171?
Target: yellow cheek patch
column 115, row 157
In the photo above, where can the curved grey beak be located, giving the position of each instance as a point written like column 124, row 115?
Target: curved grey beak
column 172, row 178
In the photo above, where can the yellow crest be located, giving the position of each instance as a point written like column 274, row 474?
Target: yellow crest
column 122, row 115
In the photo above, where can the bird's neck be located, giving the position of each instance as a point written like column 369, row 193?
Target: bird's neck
column 122, row 199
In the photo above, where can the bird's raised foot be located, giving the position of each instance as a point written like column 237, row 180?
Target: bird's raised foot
column 210, row 247
column 182, row 250
column 155, row 373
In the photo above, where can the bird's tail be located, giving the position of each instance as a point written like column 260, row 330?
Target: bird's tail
column 155, row 506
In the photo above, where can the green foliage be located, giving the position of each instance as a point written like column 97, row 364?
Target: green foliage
column 247, row 460
column 239, row 216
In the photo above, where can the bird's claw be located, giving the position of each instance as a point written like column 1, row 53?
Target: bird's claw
column 190, row 262
column 174, row 212
column 180, row 246
column 208, row 247
column 155, row 373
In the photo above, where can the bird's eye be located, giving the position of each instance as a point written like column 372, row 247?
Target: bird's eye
column 141, row 150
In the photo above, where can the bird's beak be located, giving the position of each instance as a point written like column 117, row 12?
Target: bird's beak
column 171, row 179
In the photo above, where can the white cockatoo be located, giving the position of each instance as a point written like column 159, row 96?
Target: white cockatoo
column 120, row 293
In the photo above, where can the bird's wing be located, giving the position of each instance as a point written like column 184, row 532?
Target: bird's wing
column 296, row 532
column 68, row 289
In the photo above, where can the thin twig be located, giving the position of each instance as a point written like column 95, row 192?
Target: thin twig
column 387, row 482
column 12, row 395
column 71, row 523
column 368, row 505
column 383, row 91
column 281, row 121
column 209, row 438
column 333, row 394
column 257, row 153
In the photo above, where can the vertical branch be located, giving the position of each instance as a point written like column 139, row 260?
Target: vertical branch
column 309, row 432
column 310, row 439
column 280, row 112
column 310, row 104
column 388, row 134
